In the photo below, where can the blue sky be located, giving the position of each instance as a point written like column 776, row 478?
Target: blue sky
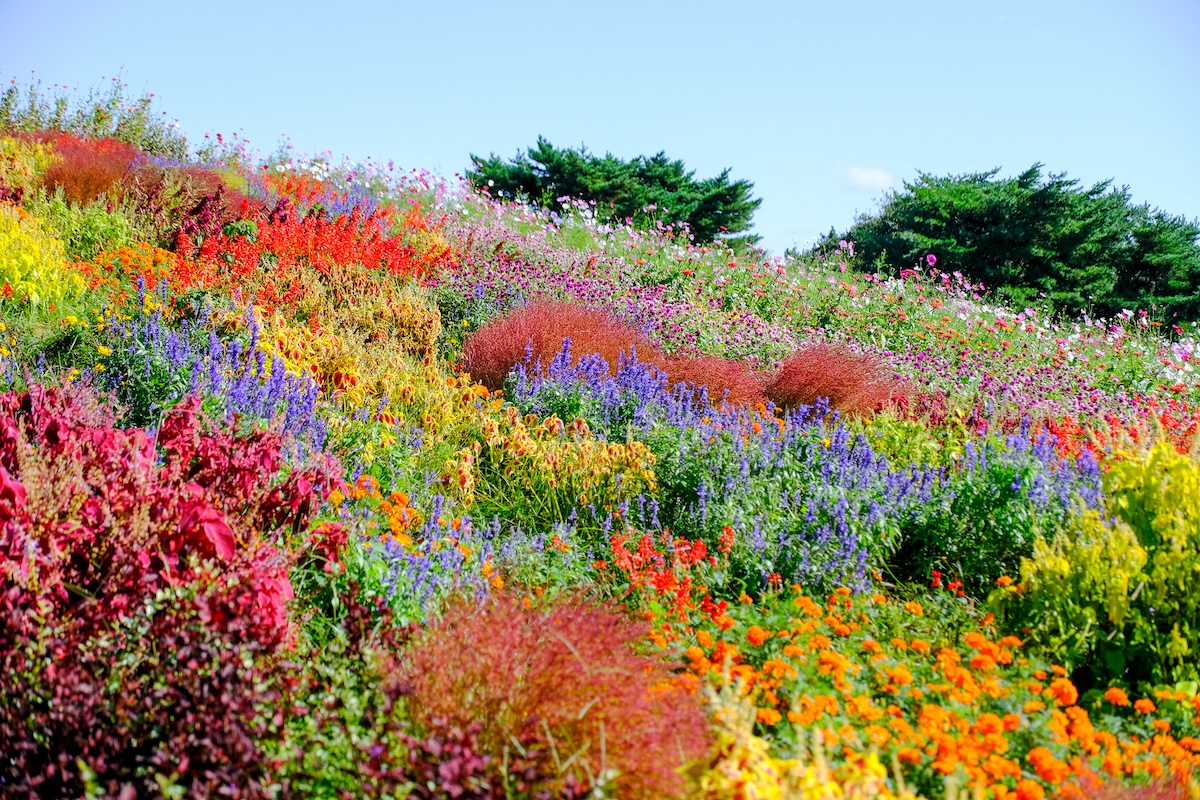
column 823, row 105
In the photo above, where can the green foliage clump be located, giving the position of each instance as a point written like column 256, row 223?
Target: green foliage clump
column 1114, row 597
column 1033, row 237
column 644, row 190
column 85, row 230
column 108, row 113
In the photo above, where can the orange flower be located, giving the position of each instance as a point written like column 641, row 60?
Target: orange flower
column 914, row 608
column 987, row 724
column 1003, row 581
column 1117, row 696
column 756, row 635
column 769, row 716
column 1011, row 722
column 705, row 640
column 1063, row 691
column 1145, row 706
column 920, row 645
column 1030, row 790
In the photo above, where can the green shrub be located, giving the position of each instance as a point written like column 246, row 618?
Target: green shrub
column 85, row 230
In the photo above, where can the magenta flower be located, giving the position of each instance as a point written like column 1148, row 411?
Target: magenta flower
column 931, row 259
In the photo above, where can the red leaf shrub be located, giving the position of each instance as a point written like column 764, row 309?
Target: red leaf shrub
column 87, row 169
column 558, row 680
column 719, row 375
column 853, row 382
column 493, row 350
column 142, row 598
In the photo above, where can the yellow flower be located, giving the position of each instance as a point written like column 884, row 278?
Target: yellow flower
column 104, row 351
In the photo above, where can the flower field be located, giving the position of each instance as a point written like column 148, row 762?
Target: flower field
column 321, row 479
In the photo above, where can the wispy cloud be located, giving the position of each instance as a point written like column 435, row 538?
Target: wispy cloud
column 869, row 179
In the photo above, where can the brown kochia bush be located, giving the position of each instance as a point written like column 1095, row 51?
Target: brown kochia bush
column 493, row 350
column 853, row 382
column 552, row 683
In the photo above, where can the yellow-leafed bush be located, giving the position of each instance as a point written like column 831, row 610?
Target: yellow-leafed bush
column 32, row 263
column 741, row 767
column 1116, row 592
column 22, row 163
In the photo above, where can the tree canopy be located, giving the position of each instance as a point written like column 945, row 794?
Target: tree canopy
column 1036, row 236
column 642, row 190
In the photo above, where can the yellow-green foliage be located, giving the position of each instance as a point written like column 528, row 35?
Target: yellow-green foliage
column 32, row 262
column 540, row 470
column 22, row 163
column 741, row 767
column 1120, row 594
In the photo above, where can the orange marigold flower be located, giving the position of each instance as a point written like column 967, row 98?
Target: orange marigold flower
column 914, row 608
column 871, row 646
column 793, row 651
column 899, row 643
column 1145, row 706
column 1003, row 581
column 1011, row 722
column 1063, row 691
column 987, row 724
column 705, row 640
column 1163, row 725
column 1011, row 641
column 769, row 716
column 1030, row 790
column 1117, row 696
column 909, row 755
column 1033, row 706
column 901, row 676
column 920, row 645
column 756, row 635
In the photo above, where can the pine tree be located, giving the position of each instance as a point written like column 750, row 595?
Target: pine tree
column 642, row 191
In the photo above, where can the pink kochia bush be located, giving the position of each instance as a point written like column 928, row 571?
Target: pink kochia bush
column 143, row 597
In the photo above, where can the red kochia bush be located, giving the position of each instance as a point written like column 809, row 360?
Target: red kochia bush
column 555, row 678
column 853, row 382
column 493, row 350
column 142, row 616
column 88, row 169
column 735, row 381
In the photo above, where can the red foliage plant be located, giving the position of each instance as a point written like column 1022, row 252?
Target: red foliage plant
column 541, row 327
column 555, row 683
column 87, row 169
column 733, row 381
column 853, row 382
column 142, row 598
column 289, row 253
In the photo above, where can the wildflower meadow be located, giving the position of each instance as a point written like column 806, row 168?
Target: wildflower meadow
column 324, row 479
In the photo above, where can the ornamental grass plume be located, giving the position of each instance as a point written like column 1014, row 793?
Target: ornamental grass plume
column 540, row 329
column 558, row 687
column 854, row 383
